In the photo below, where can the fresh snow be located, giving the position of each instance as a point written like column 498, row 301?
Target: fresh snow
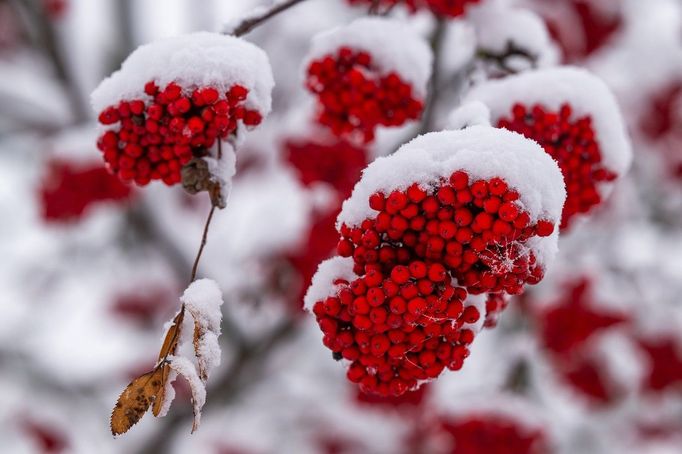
column 193, row 60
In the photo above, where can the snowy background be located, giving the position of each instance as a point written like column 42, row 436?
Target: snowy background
column 589, row 361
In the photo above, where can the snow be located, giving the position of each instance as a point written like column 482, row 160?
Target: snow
column 203, row 299
column 192, row 60
column 469, row 114
column 185, row 367
column 222, row 170
column 483, row 152
column 393, row 44
column 322, row 284
column 496, row 27
column 586, row 94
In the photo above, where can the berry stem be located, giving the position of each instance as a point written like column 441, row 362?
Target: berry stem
column 251, row 22
column 203, row 243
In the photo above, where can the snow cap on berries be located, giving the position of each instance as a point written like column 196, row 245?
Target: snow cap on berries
column 393, row 45
column 484, row 153
column 586, row 94
column 499, row 27
column 327, row 273
column 193, row 60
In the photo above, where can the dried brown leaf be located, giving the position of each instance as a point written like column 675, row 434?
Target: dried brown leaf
column 161, row 394
column 135, row 400
column 170, row 342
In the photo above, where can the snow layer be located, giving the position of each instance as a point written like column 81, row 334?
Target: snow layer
column 203, row 299
column 497, row 27
column 483, row 152
column 191, row 60
column 394, row 46
column 586, row 93
column 322, row 284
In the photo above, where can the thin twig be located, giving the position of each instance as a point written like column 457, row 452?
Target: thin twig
column 203, row 243
column 252, row 22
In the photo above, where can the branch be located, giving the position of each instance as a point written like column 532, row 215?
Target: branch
column 501, row 58
column 428, row 117
column 258, row 16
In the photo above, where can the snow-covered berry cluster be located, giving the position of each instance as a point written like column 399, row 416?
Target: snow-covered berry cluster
column 363, row 77
column 356, row 98
column 575, row 117
column 68, row 190
column 572, row 143
column 417, row 239
column 476, row 228
column 174, row 100
column 155, row 137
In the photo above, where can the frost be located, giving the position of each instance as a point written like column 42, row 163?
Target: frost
column 191, row 60
column 586, row 94
column 483, row 152
column 394, row 46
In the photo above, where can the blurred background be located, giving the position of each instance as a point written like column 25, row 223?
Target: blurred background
column 590, row 361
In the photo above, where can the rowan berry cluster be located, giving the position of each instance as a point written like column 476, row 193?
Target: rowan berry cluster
column 477, row 230
column 356, row 97
column 572, row 143
column 153, row 137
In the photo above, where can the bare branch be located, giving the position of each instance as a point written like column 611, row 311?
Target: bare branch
column 260, row 16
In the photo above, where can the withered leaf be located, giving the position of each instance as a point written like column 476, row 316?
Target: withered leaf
column 161, row 394
column 135, row 400
column 170, row 342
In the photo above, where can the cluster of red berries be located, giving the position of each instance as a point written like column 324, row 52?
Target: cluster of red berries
column 477, row 229
column 155, row 138
column 397, row 328
column 572, row 143
column 355, row 96
column 444, row 8
column 338, row 164
column 67, row 190
column 493, row 434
